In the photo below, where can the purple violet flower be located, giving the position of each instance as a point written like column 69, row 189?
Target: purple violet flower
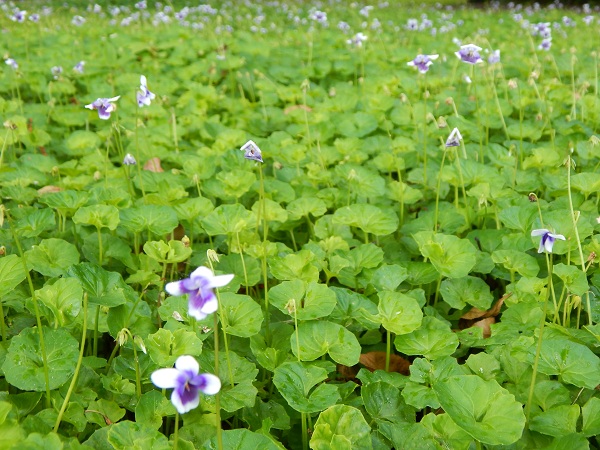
column 469, row 53
column 357, row 40
column 78, row 21
column 546, row 44
column 104, row 106
column 18, row 16
column 548, row 239
column 129, row 160
column 422, row 62
column 454, row 138
column 12, row 63
column 34, row 18
column 199, row 286
column 79, row 66
column 186, row 383
column 494, row 57
column 56, row 71
column 144, row 96
column 251, row 151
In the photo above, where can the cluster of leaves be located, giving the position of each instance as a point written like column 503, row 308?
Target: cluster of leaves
column 359, row 231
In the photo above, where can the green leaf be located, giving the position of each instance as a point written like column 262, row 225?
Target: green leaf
column 12, row 273
column 518, row 217
column 458, row 292
column 241, row 395
column 304, row 300
column 23, row 367
column 482, row 408
column 319, row 337
column 388, row 277
column 399, row 313
column 297, row 265
column 369, row 218
column 67, row 201
column 451, row 256
column 228, row 219
column 447, row 433
column 558, row 421
column 167, row 253
column 341, row 427
column 573, row 277
column 591, row 417
column 63, row 298
column 36, row 222
column 296, row 382
column 52, row 257
column 133, row 435
column 384, row 402
column 574, row 363
column 159, row 220
column 103, row 287
column 242, row 439
column 270, row 355
column 433, row 340
column 164, row 346
column 151, row 408
column 81, row 142
column 484, row 365
column 516, row 261
column 358, row 124
column 240, row 315
column 103, row 412
column 100, row 216
column 303, row 206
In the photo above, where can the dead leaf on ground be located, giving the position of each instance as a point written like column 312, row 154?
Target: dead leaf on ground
column 485, row 325
column 289, row 109
column 476, row 313
column 376, row 361
column 153, row 165
column 49, row 190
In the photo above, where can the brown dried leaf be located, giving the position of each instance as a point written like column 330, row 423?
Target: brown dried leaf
column 376, row 360
column 348, row 373
column 49, row 190
column 153, row 165
column 289, row 109
column 476, row 313
column 485, row 325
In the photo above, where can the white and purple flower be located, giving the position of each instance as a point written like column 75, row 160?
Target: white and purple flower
column 104, row 106
column 548, row 239
column 144, row 96
column 186, row 383
column 422, row 62
column 78, row 21
column 494, row 57
column 546, row 44
column 199, row 286
column 19, row 16
column 357, row 40
column 12, row 63
column 469, row 53
column 454, row 138
column 251, row 151
column 56, row 71
column 79, row 67
column 129, row 160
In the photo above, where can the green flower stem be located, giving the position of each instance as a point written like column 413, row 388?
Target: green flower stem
column 4, row 146
column 77, row 367
column 239, row 244
column 216, row 331
column 2, row 322
column 38, row 317
column 95, row 346
column 218, row 395
column 263, row 259
column 100, row 249
column 462, row 185
column 176, row 432
column 570, row 163
column 477, row 112
column 137, row 155
column 174, row 130
column 493, row 86
column 437, row 193
column 388, row 349
column 303, row 415
column 424, row 93
column 539, row 343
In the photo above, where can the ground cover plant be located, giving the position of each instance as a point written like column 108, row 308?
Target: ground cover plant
column 291, row 225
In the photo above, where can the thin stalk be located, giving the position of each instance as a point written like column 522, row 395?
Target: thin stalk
column 38, row 317
column 388, row 349
column 77, row 366
column 303, row 415
column 574, row 220
column 176, row 432
column 95, row 346
column 237, row 235
column 218, row 395
column 2, row 322
column 263, row 259
column 437, row 194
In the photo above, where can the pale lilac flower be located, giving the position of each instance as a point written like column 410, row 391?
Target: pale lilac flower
column 343, row 26
column 78, row 21
column 104, row 106
column 56, row 71
column 18, row 16
column 186, row 383
column 494, row 57
column 12, row 63
column 365, row 11
column 422, row 62
column 469, row 53
column 318, row 16
column 358, row 39
column 202, row 300
column 79, row 66
column 34, row 18
column 144, row 96
column 588, row 20
column 141, row 5
column 129, row 160
column 454, row 138
column 546, row 44
column 548, row 239
column 251, row 151
column 412, row 24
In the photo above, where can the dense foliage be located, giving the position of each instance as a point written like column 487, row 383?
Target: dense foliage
column 411, row 237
